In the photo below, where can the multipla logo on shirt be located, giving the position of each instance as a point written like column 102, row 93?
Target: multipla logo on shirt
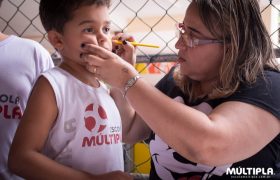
column 96, row 122
column 90, row 121
column 250, row 172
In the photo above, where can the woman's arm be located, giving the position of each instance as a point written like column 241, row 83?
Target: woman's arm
column 134, row 128
column 25, row 158
column 232, row 132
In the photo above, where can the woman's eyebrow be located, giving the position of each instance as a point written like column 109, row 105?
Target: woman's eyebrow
column 194, row 30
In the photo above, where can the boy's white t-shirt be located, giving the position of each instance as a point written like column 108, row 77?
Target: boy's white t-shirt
column 21, row 62
column 87, row 133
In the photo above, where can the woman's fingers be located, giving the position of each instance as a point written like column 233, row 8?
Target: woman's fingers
column 129, row 52
column 108, row 66
column 91, row 68
column 93, row 60
column 122, row 37
column 120, row 49
column 97, row 50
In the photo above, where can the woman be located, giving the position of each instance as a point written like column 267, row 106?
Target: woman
column 218, row 110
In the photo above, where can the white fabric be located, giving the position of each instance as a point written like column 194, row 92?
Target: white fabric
column 87, row 131
column 21, row 62
column 164, row 159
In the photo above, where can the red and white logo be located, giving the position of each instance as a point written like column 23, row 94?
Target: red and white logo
column 95, row 118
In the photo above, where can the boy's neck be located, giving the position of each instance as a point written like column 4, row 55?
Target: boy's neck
column 80, row 72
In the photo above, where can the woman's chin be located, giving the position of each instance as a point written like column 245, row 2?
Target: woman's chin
column 184, row 70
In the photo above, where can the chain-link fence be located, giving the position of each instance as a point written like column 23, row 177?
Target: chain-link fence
column 149, row 21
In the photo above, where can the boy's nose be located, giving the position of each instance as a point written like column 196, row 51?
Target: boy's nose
column 103, row 39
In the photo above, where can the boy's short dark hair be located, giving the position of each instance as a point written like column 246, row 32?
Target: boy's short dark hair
column 55, row 13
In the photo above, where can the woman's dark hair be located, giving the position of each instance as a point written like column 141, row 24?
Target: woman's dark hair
column 55, row 13
column 248, row 50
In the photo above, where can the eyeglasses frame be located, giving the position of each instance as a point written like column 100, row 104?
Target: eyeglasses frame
column 193, row 42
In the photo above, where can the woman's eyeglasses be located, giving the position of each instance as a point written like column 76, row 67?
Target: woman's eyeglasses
column 191, row 41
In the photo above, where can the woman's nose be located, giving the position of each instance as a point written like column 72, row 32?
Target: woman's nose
column 180, row 44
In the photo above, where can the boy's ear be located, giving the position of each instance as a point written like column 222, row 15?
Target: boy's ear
column 55, row 39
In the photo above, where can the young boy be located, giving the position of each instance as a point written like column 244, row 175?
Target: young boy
column 71, row 128
column 21, row 62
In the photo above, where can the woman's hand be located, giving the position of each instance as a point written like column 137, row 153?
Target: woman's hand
column 108, row 66
column 125, row 50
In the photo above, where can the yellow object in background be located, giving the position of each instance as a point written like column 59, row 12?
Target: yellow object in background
column 142, row 155
column 154, row 68
column 142, row 68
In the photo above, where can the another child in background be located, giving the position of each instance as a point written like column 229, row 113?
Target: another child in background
column 71, row 128
column 21, row 62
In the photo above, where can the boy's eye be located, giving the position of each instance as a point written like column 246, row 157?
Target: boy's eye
column 106, row 30
column 88, row 30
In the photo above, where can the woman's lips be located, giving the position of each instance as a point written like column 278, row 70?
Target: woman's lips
column 181, row 60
